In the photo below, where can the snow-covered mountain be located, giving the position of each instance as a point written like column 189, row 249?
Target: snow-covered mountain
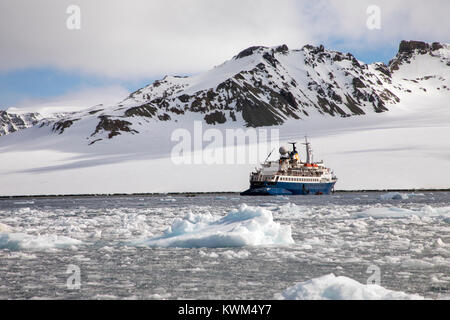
column 11, row 122
column 264, row 86
column 378, row 126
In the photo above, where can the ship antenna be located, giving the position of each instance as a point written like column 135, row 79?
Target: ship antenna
column 294, row 149
column 269, row 155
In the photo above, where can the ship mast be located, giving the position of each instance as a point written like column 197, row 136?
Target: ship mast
column 309, row 153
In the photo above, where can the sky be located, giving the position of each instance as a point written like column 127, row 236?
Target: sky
column 75, row 53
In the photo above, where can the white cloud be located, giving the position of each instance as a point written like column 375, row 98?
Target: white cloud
column 345, row 20
column 129, row 39
column 73, row 101
column 144, row 39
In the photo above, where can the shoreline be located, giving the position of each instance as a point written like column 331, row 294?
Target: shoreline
column 194, row 194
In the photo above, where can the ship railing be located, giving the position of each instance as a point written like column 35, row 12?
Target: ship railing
column 300, row 174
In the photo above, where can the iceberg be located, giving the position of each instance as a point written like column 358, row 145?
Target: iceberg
column 245, row 226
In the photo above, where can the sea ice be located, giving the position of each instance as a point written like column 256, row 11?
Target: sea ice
column 394, row 212
column 330, row 287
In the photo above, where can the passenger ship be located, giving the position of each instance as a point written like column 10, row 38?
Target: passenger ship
column 291, row 176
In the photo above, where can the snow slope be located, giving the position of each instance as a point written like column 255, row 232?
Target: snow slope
column 115, row 150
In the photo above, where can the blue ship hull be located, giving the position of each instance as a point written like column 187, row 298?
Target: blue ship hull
column 288, row 188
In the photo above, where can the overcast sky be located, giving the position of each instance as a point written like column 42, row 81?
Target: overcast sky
column 123, row 45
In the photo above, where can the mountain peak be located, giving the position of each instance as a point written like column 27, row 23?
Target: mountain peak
column 412, row 45
column 249, row 51
column 411, row 48
column 260, row 49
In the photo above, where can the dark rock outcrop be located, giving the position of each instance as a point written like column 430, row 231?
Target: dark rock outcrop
column 248, row 52
column 61, row 125
column 215, row 117
column 113, row 126
column 410, row 46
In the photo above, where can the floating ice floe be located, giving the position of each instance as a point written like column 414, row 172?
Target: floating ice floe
column 5, row 228
column 228, row 254
column 394, row 212
column 18, row 241
column 168, row 199
column 246, row 226
column 330, row 287
column 24, row 202
column 399, row 196
column 220, row 198
column 394, row 196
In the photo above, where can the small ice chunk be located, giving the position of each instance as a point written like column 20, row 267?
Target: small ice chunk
column 5, row 228
column 18, row 241
column 229, row 254
column 394, row 196
column 168, row 199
